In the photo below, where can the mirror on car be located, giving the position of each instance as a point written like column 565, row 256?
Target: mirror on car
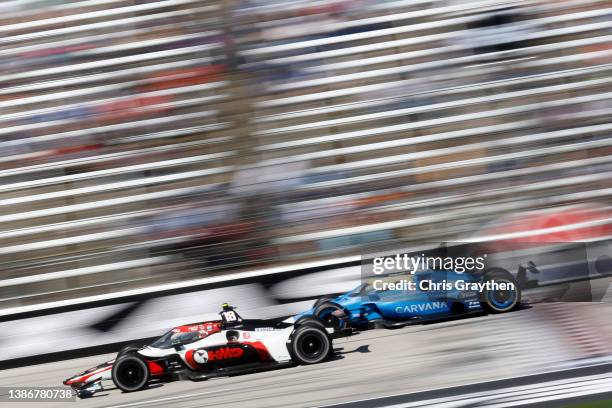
column 177, row 344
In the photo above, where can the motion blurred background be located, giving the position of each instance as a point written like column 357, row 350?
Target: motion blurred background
column 150, row 142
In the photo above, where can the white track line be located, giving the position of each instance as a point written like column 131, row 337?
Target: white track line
column 179, row 397
column 514, row 395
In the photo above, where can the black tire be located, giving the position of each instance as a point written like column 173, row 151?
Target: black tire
column 320, row 301
column 309, row 321
column 500, row 301
column 310, row 345
column 323, row 313
column 130, row 373
column 128, row 348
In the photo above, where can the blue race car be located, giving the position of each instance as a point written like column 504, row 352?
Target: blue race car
column 427, row 295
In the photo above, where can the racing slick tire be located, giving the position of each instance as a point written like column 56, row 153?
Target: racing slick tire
column 320, row 301
column 309, row 321
column 323, row 313
column 130, row 372
column 128, row 348
column 500, row 301
column 310, row 345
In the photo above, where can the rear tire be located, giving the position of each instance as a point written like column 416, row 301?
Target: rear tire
column 130, row 373
column 310, row 345
column 309, row 321
column 128, row 348
column 500, row 301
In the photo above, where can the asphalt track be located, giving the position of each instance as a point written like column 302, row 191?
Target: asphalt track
column 368, row 367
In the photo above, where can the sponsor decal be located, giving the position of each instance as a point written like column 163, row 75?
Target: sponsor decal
column 225, row 353
column 200, row 356
column 422, row 307
column 203, row 329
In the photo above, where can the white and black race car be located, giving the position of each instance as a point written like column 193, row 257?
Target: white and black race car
column 200, row 351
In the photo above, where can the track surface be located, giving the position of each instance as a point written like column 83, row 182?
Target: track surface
column 370, row 365
column 549, row 390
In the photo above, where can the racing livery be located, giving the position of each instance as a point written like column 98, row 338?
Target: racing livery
column 200, row 351
column 376, row 303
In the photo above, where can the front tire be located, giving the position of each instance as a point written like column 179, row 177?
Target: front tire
column 310, row 345
column 324, row 314
column 130, row 373
column 501, row 301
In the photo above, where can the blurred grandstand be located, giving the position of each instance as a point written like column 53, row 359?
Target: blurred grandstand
column 151, row 141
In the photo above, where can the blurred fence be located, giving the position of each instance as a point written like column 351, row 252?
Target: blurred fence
column 146, row 142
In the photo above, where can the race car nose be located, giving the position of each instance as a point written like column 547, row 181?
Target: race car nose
column 72, row 381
